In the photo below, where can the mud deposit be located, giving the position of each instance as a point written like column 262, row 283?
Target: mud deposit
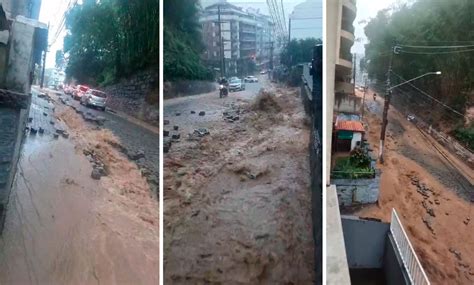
column 432, row 198
column 63, row 227
column 237, row 201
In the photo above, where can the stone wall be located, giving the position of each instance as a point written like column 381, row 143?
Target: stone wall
column 357, row 191
column 187, row 87
column 137, row 96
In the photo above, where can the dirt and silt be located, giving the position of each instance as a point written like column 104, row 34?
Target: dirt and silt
column 433, row 199
column 237, row 202
column 63, row 227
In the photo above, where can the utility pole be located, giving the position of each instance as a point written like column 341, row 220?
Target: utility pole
column 44, row 63
column 289, row 29
column 388, row 94
column 366, row 86
column 271, row 55
column 221, row 43
column 355, row 69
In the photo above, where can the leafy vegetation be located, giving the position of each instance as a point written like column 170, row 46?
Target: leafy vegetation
column 356, row 166
column 422, row 23
column 111, row 39
column 466, row 136
column 182, row 42
column 298, row 51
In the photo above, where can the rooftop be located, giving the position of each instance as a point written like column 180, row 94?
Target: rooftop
column 354, row 126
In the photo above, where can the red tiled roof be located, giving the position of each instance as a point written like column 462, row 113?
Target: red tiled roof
column 354, row 126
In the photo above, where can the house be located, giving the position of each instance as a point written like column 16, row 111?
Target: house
column 347, row 135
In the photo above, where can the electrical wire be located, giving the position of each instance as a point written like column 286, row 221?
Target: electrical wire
column 435, row 47
column 428, row 95
column 439, row 52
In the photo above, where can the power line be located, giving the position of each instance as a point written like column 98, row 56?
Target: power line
column 428, row 95
column 283, row 12
column 436, row 47
column 439, row 52
column 307, row 18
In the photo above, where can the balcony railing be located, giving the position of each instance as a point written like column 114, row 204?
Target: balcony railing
column 249, row 31
column 413, row 266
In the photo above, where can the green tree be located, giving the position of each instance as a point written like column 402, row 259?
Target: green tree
column 59, row 59
column 421, row 23
column 111, row 39
column 298, row 51
column 182, row 42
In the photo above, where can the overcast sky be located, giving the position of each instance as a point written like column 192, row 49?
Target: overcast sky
column 300, row 28
column 52, row 12
column 367, row 9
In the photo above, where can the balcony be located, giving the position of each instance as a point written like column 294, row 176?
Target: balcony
column 248, row 39
column 351, row 5
column 247, row 30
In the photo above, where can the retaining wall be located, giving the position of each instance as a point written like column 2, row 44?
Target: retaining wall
column 187, row 88
column 137, row 96
column 357, row 191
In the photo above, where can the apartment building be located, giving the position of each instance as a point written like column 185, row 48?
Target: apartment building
column 246, row 36
column 27, row 8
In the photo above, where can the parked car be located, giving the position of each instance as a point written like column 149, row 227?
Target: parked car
column 68, row 90
column 236, row 85
column 263, row 72
column 250, row 79
column 79, row 92
column 94, row 98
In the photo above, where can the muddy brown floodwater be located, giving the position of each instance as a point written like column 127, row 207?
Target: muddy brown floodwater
column 62, row 227
column 237, row 203
column 433, row 199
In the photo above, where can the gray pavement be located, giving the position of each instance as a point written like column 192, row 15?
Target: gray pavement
column 178, row 111
column 133, row 137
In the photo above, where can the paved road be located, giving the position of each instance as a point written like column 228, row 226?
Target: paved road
column 133, row 137
column 178, row 110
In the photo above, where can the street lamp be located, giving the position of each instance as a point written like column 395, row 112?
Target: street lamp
column 413, row 79
column 387, row 104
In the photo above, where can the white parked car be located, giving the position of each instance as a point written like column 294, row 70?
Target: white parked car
column 94, row 98
column 236, row 85
column 250, row 79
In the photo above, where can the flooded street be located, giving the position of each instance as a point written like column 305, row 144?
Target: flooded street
column 237, row 201
column 434, row 222
column 64, row 227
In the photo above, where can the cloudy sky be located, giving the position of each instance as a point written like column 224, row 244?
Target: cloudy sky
column 304, row 9
column 52, row 12
column 367, row 9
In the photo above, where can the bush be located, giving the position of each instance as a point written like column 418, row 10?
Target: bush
column 465, row 136
column 360, row 158
column 356, row 166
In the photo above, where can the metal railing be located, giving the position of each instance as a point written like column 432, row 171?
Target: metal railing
column 413, row 266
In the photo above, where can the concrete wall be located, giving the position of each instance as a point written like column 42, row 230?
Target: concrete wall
column 137, row 96
column 20, row 61
column 346, row 103
column 356, row 138
column 364, row 241
column 331, row 52
column 337, row 268
column 357, row 191
column 187, row 88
